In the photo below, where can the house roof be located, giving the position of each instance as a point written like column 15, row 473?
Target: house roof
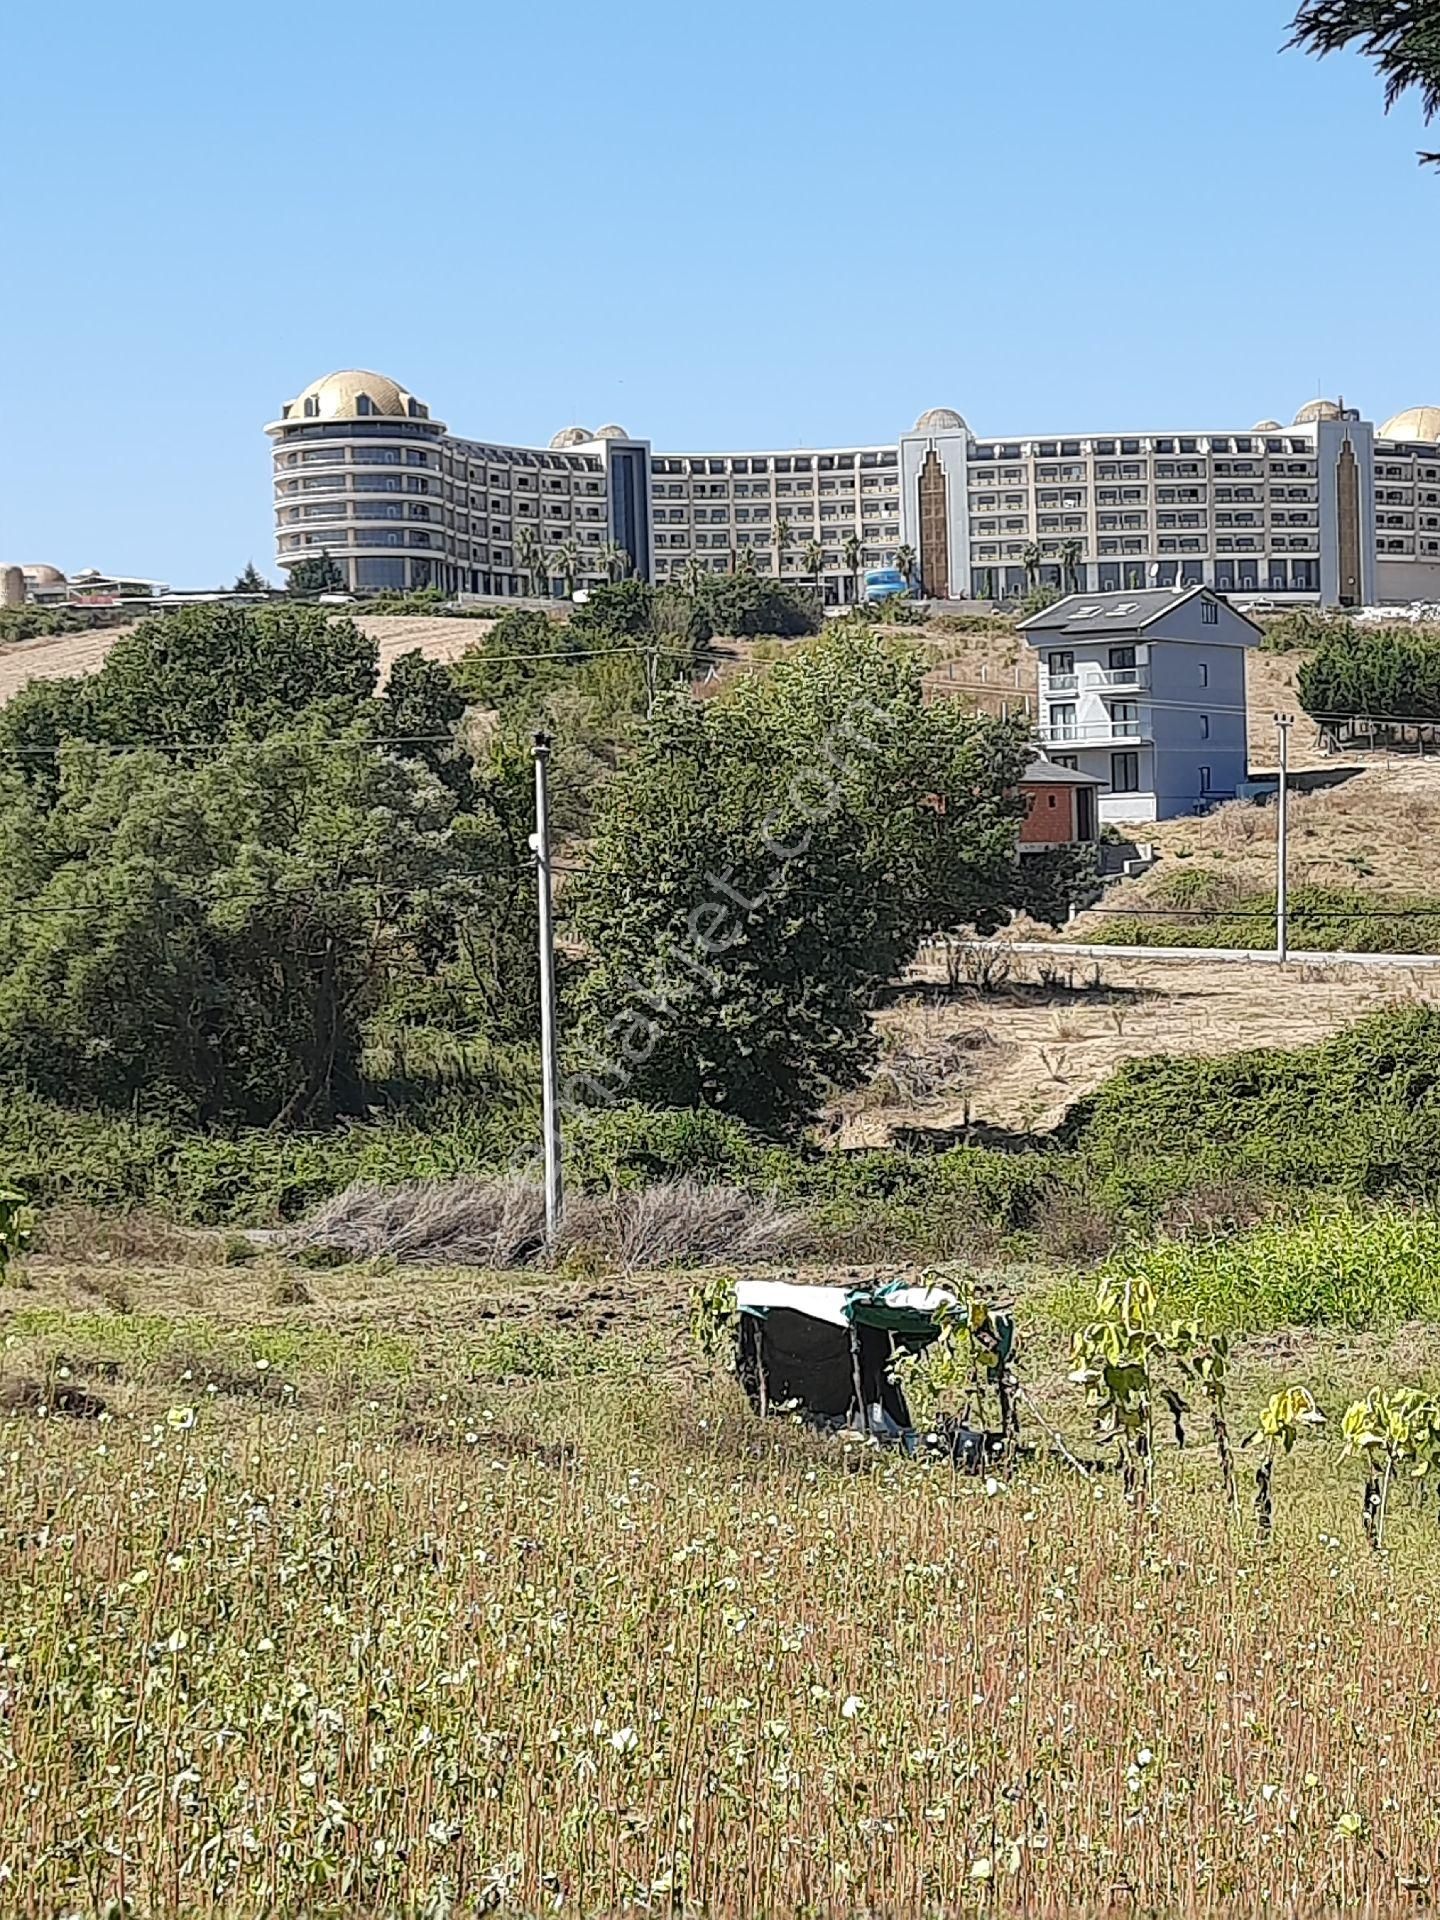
column 1099, row 613
column 1045, row 773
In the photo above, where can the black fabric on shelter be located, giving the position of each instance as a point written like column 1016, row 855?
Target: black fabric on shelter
column 811, row 1362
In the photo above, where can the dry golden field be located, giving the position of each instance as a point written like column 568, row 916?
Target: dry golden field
column 374, row 1593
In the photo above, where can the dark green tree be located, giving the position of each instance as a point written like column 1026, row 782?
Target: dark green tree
column 1386, row 673
column 767, row 862
column 318, row 573
column 420, row 713
column 187, row 679
column 252, row 580
column 1402, row 38
column 209, row 938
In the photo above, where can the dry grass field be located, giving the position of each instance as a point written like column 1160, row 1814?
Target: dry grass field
column 1017, row 1054
column 368, row 1593
column 68, row 655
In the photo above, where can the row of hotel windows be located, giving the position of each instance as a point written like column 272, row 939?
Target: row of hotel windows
column 775, row 463
column 765, row 490
column 1235, row 517
column 1190, row 443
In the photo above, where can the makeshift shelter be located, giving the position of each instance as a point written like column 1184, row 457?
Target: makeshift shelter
column 831, row 1349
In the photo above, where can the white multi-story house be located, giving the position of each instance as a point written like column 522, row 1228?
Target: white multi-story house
column 1145, row 691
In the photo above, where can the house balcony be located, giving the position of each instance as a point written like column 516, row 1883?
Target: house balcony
column 1116, row 679
column 1104, row 733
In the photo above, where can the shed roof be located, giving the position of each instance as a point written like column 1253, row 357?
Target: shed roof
column 1045, row 773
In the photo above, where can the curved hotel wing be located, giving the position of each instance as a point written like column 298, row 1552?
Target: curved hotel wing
column 1323, row 511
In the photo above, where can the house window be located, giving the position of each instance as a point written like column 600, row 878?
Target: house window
column 1204, row 779
column 1060, row 663
column 1067, row 760
column 1204, row 726
column 1062, row 721
column 1121, row 657
column 1124, row 716
column 1209, row 614
column 1124, row 773
column 1204, row 674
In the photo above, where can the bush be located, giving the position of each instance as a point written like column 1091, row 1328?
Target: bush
column 1304, row 627
column 1321, row 919
column 742, row 604
column 1359, row 1113
column 1330, row 1269
column 1379, row 673
column 501, row 1223
column 38, row 623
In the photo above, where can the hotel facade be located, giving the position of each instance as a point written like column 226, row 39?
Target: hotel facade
column 1327, row 511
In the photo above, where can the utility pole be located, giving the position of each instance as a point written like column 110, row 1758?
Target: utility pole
column 549, row 1065
column 1283, row 724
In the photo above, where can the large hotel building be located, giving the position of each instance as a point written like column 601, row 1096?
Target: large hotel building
column 1327, row 510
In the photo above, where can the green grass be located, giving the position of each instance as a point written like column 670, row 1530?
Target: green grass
column 1351, row 1269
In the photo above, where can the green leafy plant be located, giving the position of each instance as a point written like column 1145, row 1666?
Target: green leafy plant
column 973, row 1356
column 1112, row 1360
column 1396, row 1431
column 1203, row 1359
column 714, row 1316
column 1283, row 1419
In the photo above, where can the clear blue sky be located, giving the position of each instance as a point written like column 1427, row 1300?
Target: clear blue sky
column 772, row 222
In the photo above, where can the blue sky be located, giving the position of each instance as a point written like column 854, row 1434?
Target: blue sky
column 769, row 223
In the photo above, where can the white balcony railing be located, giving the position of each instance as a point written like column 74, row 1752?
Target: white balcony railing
column 1113, row 677
column 1103, row 733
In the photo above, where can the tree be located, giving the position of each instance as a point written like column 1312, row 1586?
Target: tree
column 210, row 936
column 189, row 679
column 317, row 573
column 1070, row 554
column 530, row 559
column 813, row 559
column 616, row 561
column 562, row 568
column 767, row 861
column 783, row 539
column 419, row 719
column 744, row 603
column 905, row 560
column 252, row 581
column 1383, row 673
column 852, row 551
column 1402, row 37
column 1030, row 560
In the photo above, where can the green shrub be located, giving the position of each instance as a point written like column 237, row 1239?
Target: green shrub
column 1377, row 673
column 1356, row 1270
column 1304, row 627
column 1359, row 1113
column 1321, row 919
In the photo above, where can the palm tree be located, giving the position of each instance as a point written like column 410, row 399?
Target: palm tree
column 530, row 557
column 562, row 567
column 744, row 561
column 905, row 561
column 813, row 559
column 782, row 540
column 1030, row 560
column 694, row 572
column 1070, row 553
column 851, row 550
column 616, row 561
